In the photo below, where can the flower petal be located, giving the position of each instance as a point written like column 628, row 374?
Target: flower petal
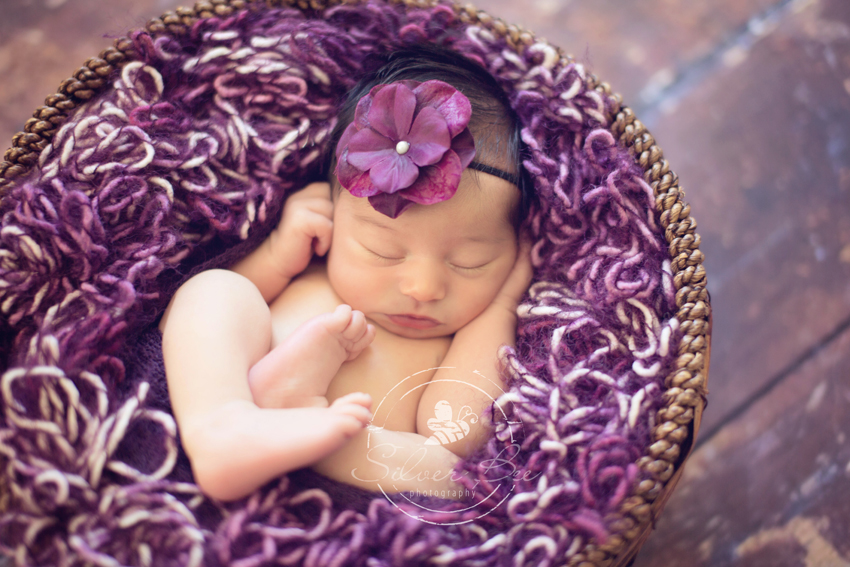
column 392, row 109
column 390, row 205
column 437, row 182
column 364, row 161
column 367, row 147
column 367, row 140
column 464, row 146
column 345, row 139
column 429, row 137
column 361, row 186
column 450, row 102
column 355, row 181
column 394, row 173
column 361, row 111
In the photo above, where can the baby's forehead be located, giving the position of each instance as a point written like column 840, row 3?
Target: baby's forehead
column 460, row 228
column 479, row 212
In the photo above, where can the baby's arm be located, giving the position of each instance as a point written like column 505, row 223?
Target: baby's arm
column 305, row 227
column 469, row 374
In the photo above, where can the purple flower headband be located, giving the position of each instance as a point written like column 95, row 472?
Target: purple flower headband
column 408, row 143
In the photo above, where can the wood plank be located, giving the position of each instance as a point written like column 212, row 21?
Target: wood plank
column 637, row 46
column 763, row 149
column 772, row 487
column 19, row 14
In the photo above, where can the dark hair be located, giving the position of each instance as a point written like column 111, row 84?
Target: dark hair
column 490, row 104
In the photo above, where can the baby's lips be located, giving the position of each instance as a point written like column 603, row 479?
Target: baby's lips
column 413, row 321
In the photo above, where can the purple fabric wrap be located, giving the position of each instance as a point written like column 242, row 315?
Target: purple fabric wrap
column 183, row 164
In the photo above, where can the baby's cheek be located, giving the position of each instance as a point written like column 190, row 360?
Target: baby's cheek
column 479, row 298
column 355, row 286
column 361, row 295
column 337, row 275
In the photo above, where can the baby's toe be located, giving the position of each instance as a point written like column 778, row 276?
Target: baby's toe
column 355, row 405
column 360, row 398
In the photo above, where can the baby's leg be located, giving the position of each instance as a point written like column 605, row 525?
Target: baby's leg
column 297, row 372
column 215, row 329
column 241, row 447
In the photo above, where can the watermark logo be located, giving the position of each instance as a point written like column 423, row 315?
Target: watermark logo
column 410, row 467
column 446, row 429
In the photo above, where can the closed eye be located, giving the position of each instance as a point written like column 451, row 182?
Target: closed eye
column 469, row 268
column 382, row 257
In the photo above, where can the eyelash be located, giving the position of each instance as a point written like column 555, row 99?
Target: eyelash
column 387, row 258
column 465, row 269
column 390, row 259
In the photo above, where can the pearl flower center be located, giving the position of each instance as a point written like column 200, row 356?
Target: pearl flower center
column 402, row 147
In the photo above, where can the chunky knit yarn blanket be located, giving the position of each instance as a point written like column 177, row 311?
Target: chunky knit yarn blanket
column 183, row 163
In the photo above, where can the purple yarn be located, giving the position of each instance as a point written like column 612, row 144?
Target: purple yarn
column 184, row 164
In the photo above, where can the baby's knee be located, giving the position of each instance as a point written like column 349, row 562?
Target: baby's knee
column 223, row 284
column 219, row 295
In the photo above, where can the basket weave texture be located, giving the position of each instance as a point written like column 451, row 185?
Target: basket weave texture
column 676, row 422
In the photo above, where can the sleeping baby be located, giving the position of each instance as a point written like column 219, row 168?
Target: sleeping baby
column 406, row 267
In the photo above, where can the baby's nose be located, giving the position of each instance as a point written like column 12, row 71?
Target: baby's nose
column 424, row 282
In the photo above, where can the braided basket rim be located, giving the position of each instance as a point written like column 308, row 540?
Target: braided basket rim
column 686, row 386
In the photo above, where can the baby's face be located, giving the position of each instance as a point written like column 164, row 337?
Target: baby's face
column 434, row 268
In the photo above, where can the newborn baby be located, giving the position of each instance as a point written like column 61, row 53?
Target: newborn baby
column 274, row 364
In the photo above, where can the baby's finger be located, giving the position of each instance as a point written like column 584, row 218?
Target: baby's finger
column 315, row 189
column 321, row 206
column 525, row 244
column 323, row 234
column 519, row 278
column 524, row 254
column 522, row 265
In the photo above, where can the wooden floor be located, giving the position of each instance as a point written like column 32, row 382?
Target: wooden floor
column 750, row 100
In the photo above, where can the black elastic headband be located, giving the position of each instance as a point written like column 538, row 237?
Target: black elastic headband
column 511, row 177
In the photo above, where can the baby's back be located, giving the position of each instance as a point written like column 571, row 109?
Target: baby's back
column 393, row 370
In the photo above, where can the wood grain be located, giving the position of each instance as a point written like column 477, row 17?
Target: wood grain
column 771, row 488
column 763, row 151
column 639, row 46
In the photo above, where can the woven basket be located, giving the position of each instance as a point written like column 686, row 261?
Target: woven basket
column 684, row 399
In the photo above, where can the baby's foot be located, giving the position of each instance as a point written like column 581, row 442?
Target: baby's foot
column 239, row 447
column 297, row 371
column 355, row 404
column 349, row 327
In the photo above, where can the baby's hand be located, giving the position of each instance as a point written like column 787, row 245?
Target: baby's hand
column 306, row 226
column 518, row 279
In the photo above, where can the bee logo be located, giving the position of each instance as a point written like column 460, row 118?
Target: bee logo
column 445, row 430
